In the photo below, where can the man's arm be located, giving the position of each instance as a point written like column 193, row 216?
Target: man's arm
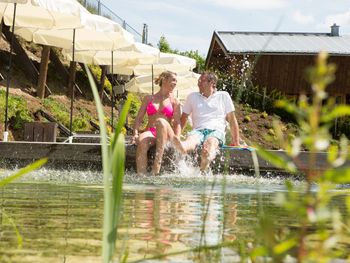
column 231, row 118
column 183, row 119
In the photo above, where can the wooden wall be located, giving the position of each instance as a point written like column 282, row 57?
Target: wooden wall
column 284, row 72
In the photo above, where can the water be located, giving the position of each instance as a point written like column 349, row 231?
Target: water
column 59, row 215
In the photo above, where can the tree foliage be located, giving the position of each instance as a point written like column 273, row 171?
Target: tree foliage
column 164, row 46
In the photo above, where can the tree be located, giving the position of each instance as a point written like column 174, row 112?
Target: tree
column 164, row 46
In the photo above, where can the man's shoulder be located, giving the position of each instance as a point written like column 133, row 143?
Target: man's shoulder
column 193, row 95
column 222, row 94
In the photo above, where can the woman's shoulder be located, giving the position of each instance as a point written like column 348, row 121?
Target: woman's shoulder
column 174, row 100
column 147, row 98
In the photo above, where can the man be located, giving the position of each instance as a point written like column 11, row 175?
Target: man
column 210, row 110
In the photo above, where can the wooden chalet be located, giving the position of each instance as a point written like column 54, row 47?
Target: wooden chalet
column 279, row 60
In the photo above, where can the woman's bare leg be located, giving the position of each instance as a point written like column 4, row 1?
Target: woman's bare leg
column 146, row 140
column 164, row 133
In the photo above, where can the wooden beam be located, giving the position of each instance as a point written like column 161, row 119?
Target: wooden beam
column 44, row 64
column 61, row 70
column 26, row 64
column 50, row 118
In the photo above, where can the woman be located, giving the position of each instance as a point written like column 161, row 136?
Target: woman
column 163, row 112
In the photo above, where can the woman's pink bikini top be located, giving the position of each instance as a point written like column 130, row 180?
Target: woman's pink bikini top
column 167, row 111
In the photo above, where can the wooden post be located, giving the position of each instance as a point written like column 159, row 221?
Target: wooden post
column 264, row 99
column 71, row 79
column 1, row 29
column 102, row 81
column 44, row 65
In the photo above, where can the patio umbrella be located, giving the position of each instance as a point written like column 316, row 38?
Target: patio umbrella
column 166, row 61
column 134, row 54
column 28, row 15
column 186, row 83
column 98, row 33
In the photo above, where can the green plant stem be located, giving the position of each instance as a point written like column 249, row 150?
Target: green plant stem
column 107, row 221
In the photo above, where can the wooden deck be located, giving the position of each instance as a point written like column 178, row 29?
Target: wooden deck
column 83, row 156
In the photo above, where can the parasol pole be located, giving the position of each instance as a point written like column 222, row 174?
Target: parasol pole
column 112, row 104
column 9, row 74
column 152, row 81
column 72, row 95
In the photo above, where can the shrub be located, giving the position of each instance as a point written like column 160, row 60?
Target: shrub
column 18, row 112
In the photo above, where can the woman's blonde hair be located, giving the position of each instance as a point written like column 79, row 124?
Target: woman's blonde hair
column 164, row 75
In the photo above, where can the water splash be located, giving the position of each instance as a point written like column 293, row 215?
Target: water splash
column 187, row 175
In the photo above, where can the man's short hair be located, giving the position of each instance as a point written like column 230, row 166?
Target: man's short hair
column 211, row 76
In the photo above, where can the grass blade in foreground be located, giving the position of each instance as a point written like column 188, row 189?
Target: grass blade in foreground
column 9, row 179
column 23, row 171
column 113, row 172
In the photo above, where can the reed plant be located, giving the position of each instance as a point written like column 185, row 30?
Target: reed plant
column 323, row 229
column 113, row 160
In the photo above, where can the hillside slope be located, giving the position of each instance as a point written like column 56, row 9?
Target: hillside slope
column 254, row 125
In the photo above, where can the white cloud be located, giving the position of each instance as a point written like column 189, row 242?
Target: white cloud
column 302, row 19
column 342, row 19
column 251, row 4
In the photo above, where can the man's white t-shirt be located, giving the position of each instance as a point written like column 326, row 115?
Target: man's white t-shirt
column 209, row 113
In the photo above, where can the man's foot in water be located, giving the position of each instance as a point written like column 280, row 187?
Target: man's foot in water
column 178, row 145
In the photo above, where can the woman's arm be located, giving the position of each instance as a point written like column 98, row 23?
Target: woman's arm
column 176, row 118
column 139, row 117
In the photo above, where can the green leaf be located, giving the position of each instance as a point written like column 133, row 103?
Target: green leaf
column 118, row 161
column 284, row 246
column 258, row 252
column 339, row 111
column 23, row 171
column 287, row 106
column 107, row 217
column 338, row 176
column 18, row 235
column 122, row 119
column 277, row 160
column 332, row 153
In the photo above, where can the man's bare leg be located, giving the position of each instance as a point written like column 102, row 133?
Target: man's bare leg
column 187, row 145
column 208, row 154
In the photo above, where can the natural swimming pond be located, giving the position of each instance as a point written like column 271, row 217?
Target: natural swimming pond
column 59, row 214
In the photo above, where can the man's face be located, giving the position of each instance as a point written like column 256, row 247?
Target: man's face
column 205, row 86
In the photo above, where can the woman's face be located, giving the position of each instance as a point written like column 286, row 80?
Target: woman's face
column 169, row 83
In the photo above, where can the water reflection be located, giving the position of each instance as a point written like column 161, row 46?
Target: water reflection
column 62, row 222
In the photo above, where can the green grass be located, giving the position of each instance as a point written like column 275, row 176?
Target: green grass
column 62, row 115
column 18, row 112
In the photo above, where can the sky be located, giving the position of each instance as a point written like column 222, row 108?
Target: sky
column 189, row 24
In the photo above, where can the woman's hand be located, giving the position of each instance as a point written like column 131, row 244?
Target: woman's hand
column 135, row 139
